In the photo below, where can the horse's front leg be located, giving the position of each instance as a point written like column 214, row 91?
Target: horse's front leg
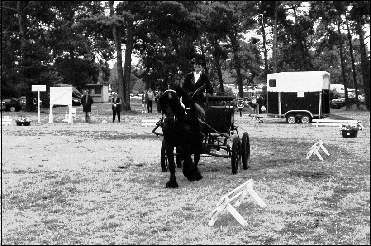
column 170, row 156
column 190, row 169
column 196, row 175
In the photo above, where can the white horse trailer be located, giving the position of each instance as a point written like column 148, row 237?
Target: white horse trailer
column 298, row 96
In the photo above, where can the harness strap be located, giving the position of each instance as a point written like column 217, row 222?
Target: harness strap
column 169, row 90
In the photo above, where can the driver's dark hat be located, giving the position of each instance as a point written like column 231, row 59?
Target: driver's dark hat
column 199, row 60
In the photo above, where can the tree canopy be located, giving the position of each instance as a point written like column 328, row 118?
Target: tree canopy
column 72, row 41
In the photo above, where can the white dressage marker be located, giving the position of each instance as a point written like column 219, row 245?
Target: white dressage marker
column 67, row 115
column 149, row 122
column 332, row 122
column 314, row 149
column 6, row 121
column 239, row 194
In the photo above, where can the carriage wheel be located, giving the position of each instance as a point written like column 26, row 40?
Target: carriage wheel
column 245, row 150
column 235, row 154
column 164, row 165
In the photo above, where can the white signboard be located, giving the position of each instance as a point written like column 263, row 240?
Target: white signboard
column 38, row 87
column 61, row 95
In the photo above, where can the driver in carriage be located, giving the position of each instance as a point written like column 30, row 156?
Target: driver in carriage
column 197, row 84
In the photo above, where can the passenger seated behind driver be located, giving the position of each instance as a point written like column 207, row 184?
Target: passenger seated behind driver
column 195, row 80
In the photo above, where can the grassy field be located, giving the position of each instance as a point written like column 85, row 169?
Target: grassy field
column 102, row 184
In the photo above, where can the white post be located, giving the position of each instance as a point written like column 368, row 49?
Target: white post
column 70, row 120
column 279, row 104
column 320, row 105
column 51, row 113
column 255, row 196
column 39, row 88
column 38, row 107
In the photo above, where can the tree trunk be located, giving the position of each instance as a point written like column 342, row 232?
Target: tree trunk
column 22, row 34
column 364, row 64
column 237, row 64
column 217, row 48
column 342, row 65
column 220, row 75
column 117, row 37
column 21, row 5
column 127, row 65
column 265, row 48
column 355, row 85
column 275, row 39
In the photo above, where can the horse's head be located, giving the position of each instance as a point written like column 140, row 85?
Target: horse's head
column 180, row 126
column 171, row 105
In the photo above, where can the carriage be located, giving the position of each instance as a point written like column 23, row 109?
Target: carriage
column 221, row 136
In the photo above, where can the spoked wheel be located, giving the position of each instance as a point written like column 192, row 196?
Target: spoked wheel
column 235, row 154
column 245, row 151
column 164, row 164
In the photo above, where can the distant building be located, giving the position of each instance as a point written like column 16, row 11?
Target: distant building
column 99, row 92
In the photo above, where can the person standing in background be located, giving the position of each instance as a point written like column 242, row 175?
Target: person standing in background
column 150, row 98
column 86, row 102
column 116, row 107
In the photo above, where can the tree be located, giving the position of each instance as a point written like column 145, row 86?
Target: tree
column 45, row 48
column 216, row 30
column 360, row 13
column 116, row 30
column 240, row 19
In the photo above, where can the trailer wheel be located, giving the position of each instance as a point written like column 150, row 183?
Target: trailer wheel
column 305, row 119
column 291, row 119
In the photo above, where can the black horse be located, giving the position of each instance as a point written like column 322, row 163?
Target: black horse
column 181, row 129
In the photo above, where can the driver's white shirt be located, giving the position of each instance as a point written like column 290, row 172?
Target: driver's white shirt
column 197, row 76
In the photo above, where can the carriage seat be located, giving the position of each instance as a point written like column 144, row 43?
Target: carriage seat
column 220, row 118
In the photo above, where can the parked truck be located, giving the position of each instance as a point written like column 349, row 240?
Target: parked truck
column 298, row 96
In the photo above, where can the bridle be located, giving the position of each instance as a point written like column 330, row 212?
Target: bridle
column 171, row 116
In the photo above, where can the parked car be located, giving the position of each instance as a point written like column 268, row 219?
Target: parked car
column 337, row 103
column 12, row 104
column 76, row 101
column 2, row 105
column 23, row 102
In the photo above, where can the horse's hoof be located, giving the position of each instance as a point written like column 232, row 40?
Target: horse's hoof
column 198, row 177
column 164, row 170
column 172, row 184
column 195, row 177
